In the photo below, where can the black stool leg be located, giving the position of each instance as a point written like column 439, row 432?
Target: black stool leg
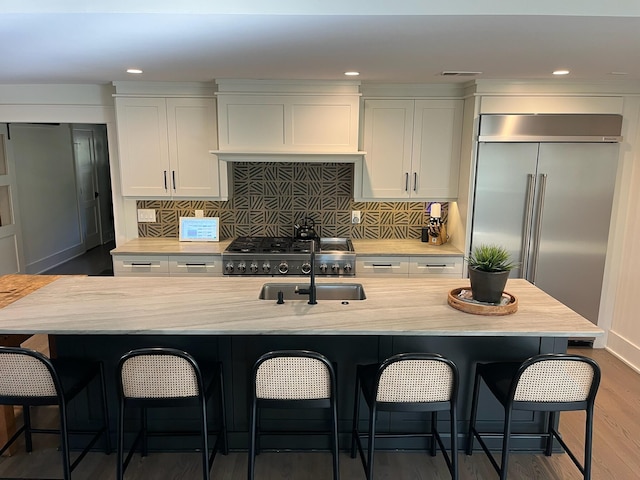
column 204, row 437
column 506, row 440
column 64, row 443
column 550, row 425
column 474, row 411
column 223, row 420
column 120, row 442
column 434, row 422
column 334, row 437
column 252, row 440
column 356, row 414
column 454, row 443
column 588, row 443
column 372, row 438
column 105, row 410
column 26, row 417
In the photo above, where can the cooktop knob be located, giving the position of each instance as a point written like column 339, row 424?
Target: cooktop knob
column 242, row 267
column 253, row 268
column 347, row 268
column 228, row 267
column 323, row 267
column 266, row 268
column 283, row 267
column 335, row 268
column 306, row 268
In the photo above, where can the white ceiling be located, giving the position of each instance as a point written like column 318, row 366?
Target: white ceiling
column 400, row 41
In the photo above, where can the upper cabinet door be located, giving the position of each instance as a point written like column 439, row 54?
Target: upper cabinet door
column 388, row 134
column 192, row 133
column 436, row 148
column 142, row 141
column 164, row 148
column 413, row 150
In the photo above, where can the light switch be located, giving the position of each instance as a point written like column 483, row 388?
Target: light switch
column 147, row 215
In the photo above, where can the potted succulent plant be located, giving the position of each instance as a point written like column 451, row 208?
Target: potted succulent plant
column 489, row 267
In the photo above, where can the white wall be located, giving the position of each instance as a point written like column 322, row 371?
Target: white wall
column 623, row 337
column 45, row 174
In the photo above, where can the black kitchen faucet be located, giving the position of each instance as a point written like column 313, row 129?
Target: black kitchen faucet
column 311, row 291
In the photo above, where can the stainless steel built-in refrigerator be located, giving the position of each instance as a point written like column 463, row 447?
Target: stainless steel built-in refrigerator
column 544, row 189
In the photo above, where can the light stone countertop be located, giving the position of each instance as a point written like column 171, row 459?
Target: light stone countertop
column 397, row 247
column 230, row 306
column 170, row 246
column 387, row 247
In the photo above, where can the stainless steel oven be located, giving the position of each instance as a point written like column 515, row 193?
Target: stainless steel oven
column 278, row 256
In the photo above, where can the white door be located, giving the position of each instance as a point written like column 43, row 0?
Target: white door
column 11, row 260
column 87, row 181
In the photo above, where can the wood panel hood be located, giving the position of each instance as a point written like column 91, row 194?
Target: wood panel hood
column 288, row 121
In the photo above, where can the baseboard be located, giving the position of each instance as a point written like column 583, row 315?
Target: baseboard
column 54, row 260
column 624, row 349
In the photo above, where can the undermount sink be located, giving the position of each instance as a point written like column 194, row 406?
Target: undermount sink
column 324, row 291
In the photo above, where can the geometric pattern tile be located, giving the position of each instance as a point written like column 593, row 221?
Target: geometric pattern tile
column 269, row 198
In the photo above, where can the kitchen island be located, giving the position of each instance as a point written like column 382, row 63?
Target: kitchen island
column 223, row 318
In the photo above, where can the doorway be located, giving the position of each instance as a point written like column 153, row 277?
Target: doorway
column 63, row 185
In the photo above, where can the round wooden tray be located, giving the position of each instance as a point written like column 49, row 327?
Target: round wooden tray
column 482, row 308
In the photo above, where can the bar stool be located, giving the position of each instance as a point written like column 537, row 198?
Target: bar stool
column 545, row 383
column 28, row 378
column 407, row 382
column 292, row 379
column 166, row 377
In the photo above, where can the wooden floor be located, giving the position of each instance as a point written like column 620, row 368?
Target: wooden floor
column 616, row 450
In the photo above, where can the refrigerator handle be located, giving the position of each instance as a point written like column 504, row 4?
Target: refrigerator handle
column 528, row 212
column 536, row 245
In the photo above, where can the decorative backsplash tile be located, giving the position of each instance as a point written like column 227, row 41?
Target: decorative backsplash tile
column 269, row 198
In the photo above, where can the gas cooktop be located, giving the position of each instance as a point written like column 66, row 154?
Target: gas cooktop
column 288, row 256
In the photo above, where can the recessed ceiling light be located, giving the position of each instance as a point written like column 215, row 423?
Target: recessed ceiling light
column 136, row 71
column 352, row 74
column 561, row 72
column 619, row 73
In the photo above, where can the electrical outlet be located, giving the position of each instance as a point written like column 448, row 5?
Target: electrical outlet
column 147, row 215
column 199, row 213
column 355, row 217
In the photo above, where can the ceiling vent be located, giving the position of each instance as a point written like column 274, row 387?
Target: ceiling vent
column 456, row 73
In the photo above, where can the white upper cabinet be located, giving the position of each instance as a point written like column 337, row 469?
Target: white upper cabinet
column 165, row 146
column 258, row 118
column 412, row 150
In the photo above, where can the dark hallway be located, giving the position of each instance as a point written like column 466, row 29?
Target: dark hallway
column 96, row 261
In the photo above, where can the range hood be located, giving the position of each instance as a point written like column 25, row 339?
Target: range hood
column 288, row 156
